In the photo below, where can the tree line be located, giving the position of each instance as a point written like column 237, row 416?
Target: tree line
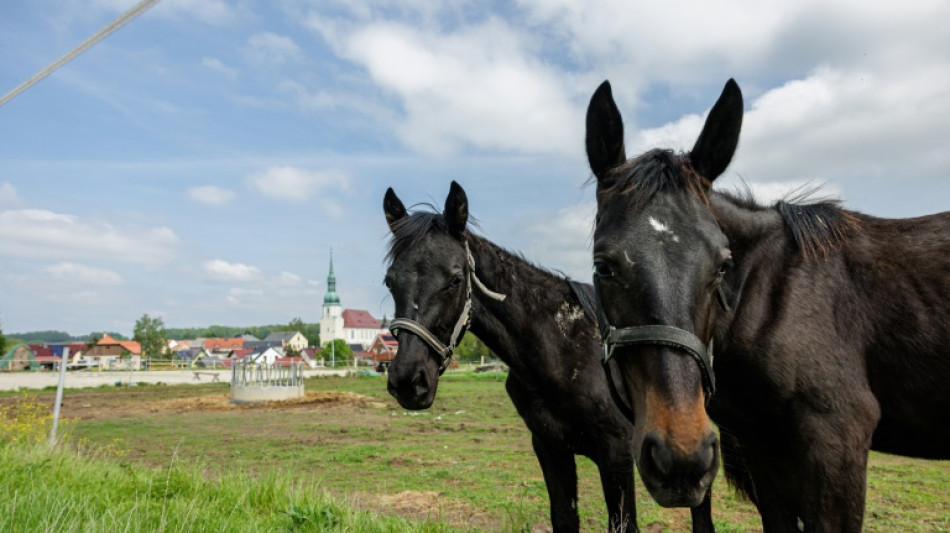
column 52, row 336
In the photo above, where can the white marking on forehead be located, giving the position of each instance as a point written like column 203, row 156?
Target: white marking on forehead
column 658, row 226
column 662, row 228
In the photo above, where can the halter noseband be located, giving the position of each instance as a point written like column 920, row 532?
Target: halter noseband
column 446, row 351
column 660, row 335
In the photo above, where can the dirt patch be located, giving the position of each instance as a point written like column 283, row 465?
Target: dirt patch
column 222, row 402
column 422, row 505
column 107, row 405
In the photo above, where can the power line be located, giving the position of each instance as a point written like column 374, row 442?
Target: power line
column 132, row 12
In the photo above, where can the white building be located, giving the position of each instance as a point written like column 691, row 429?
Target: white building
column 354, row 326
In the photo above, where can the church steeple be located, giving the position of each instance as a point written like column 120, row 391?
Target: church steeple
column 331, row 297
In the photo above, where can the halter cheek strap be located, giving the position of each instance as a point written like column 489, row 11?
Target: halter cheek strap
column 446, row 351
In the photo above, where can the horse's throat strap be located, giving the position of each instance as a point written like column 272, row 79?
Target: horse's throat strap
column 666, row 336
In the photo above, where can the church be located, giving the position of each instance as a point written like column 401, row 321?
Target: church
column 354, row 326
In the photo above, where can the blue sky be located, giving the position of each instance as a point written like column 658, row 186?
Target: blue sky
column 199, row 164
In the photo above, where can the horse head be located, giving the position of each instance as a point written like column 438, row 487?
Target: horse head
column 429, row 277
column 659, row 263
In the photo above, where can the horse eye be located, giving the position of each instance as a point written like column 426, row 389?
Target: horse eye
column 388, row 283
column 726, row 266
column 602, row 270
column 456, row 280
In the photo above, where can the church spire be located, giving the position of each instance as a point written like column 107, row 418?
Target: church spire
column 331, row 297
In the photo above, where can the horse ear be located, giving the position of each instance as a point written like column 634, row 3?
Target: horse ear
column 717, row 143
column 393, row 208
column 456, row 209
column 604, row 133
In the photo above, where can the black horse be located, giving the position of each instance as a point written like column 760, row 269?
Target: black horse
column 443, row 278
column 831, row 328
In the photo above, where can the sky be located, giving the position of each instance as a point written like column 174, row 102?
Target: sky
column 199, row 164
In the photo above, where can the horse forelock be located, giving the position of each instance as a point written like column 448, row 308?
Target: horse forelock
column 410, row 230
column 639, row 179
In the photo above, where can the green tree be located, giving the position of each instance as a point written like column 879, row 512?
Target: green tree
column 150, row 333
column 3, row 342
column 471, row 349
column 341, row 352
column 310, row 331
column 93, row 340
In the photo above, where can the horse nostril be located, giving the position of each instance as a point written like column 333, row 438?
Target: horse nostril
column 658, row 452
column 420, row 383
column 705, row 456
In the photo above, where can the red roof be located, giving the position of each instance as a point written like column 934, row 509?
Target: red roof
column 41, row 351
column 132, row 347
column 357, row 318
column 224, row 344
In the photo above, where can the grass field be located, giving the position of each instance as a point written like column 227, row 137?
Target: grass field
column 467, row 462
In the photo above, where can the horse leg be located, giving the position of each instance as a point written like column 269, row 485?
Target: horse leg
column 836, row 480
column 701, row 515
column 560, row 477
column 616, row 479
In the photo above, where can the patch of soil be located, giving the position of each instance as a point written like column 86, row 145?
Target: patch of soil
column 222, row 402
column 99, row 405
column 421, row 505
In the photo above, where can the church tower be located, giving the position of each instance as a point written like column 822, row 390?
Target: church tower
column 331, row 325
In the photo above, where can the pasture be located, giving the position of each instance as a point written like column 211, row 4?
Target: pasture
column 466, row 462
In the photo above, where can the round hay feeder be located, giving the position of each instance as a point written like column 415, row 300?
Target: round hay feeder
column 253, row 383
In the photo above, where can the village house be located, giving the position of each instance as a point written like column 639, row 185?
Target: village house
column 18, row 357
column 292, row 340
column 383, row 350
column 108, row 353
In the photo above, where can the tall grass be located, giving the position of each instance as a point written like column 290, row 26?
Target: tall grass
column 73, row 489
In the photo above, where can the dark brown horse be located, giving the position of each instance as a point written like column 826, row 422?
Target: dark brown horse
column 444, row 279
column 830, row 328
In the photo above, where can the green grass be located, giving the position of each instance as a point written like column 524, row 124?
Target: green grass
column 66, row 492
column 471, row 448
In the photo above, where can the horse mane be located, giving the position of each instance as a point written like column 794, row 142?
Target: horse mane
column 586, row 296
column 819, row 226
column 640, row 178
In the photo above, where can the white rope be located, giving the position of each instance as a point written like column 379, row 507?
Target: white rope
column 478, row 283
column 131, row 13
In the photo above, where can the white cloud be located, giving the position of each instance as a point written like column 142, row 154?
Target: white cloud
column 270, row 48
column 561, row 240
column 239, row 296
column 36, row 233
column 479, row 87
column 211, row 195
column 296, row 184
column 216, row 65
column 78, row 273
column 219, row 270
column 8, row 194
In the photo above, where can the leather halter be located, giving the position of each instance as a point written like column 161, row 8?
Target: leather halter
column 446, row 351
column 659, row 335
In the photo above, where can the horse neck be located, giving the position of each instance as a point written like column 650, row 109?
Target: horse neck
column 745, row 227
column 526, row 320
